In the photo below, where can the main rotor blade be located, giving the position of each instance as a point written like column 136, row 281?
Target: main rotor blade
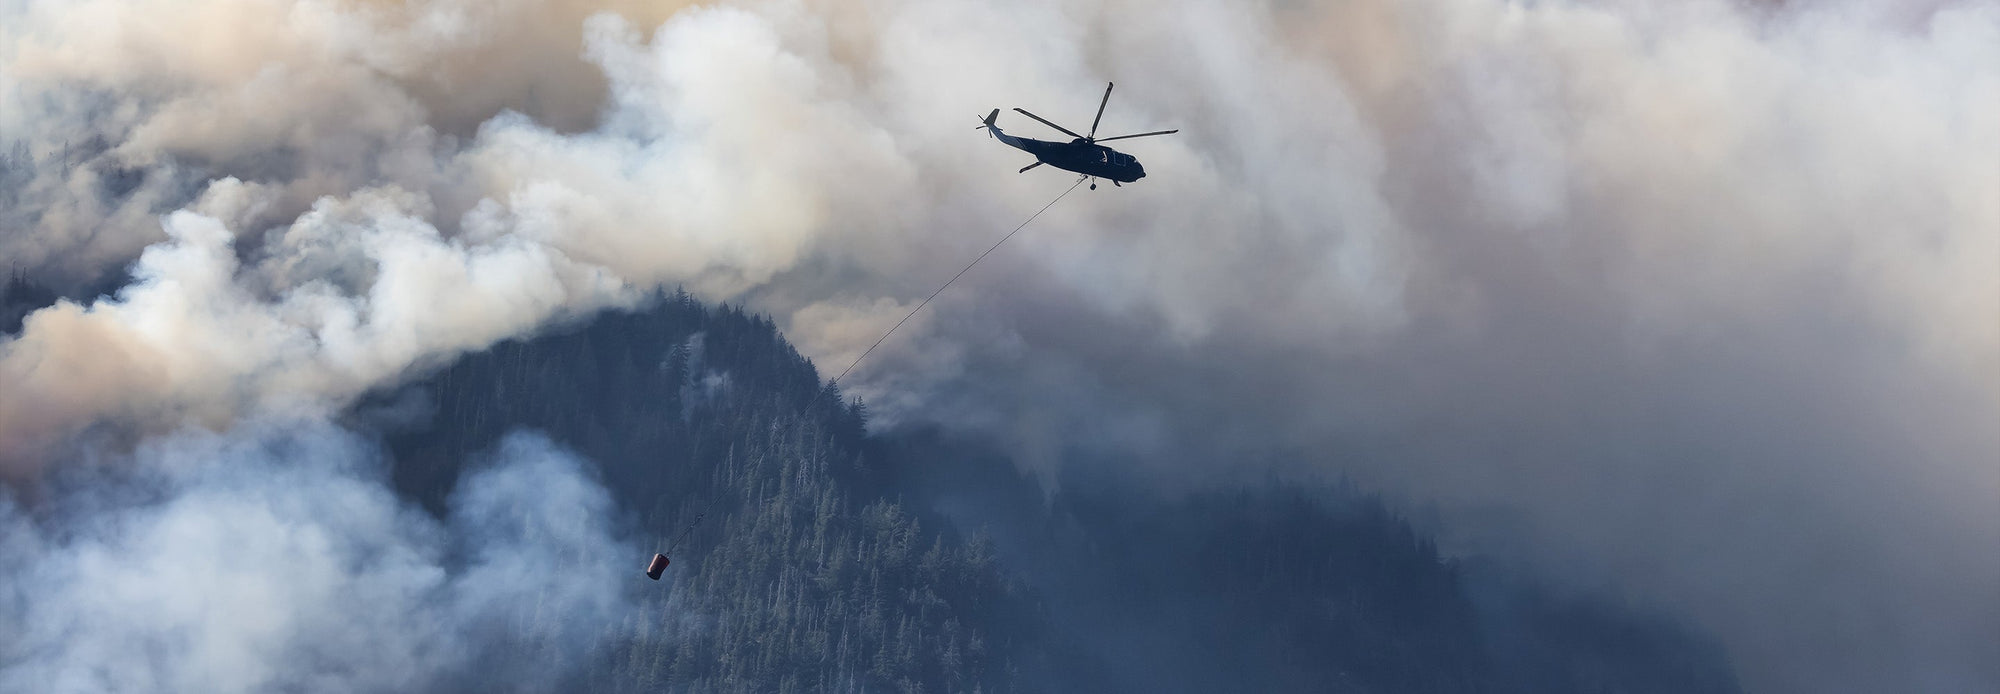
column 1100, row 112
column 1046, row 122
column 1127, row 137
column 1024, row 169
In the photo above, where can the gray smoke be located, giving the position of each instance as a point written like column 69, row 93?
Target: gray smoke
column 275, row 558
column 1697, row 302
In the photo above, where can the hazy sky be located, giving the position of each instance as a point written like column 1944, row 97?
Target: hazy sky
column 1698, row 302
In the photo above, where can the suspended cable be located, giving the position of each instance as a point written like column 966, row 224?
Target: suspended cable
column 947, row 284
column 684, row 533
column 662, row 559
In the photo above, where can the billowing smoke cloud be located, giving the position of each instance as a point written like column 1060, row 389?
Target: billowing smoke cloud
column 275, row 557
column 349, row 296
column 1695, row 301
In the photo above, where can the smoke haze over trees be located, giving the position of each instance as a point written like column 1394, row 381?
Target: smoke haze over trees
column 482, row 528
column 1694, row 304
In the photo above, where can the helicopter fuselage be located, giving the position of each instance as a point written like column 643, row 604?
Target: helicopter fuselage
column 1078, row 155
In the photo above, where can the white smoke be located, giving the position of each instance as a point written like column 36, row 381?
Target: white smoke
column 348, row 297
column 275, row 557
column 1696, row 300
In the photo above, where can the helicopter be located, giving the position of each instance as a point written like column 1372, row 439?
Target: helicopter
column 1082, row 155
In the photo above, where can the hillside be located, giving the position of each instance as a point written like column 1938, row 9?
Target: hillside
column 833, row 559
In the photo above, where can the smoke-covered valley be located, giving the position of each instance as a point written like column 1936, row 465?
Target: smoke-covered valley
column 1689, row 306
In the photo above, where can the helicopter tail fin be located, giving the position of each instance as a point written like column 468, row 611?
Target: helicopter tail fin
column 988, row 121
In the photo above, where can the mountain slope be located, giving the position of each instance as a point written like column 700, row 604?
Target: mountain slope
column 831, row 559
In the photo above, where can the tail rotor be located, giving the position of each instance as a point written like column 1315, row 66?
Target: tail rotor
column 986, row 123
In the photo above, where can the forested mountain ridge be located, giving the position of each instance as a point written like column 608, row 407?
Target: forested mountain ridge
column 790, row 582
column 824, row 562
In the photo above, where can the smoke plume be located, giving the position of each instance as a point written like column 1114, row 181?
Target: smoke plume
column 274, row 557
column 1698, row 302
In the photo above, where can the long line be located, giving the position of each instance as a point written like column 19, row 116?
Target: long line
column 954, row 278
column 685, row 531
